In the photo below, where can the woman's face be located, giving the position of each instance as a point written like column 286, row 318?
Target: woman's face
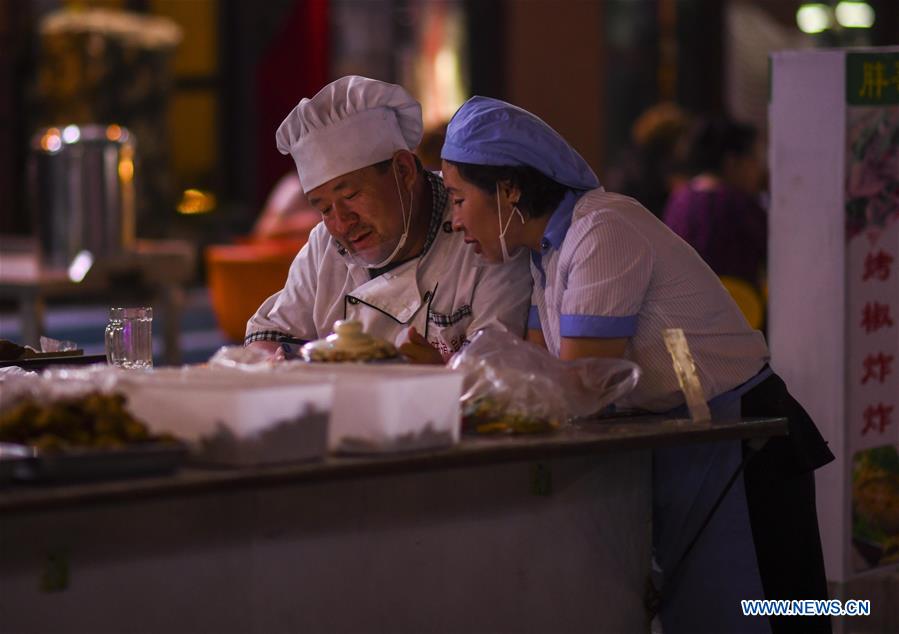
column 474, row 213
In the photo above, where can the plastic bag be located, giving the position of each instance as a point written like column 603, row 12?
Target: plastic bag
column 56, row 345
column 54, row 384
column 245, row 358
column 513, row 386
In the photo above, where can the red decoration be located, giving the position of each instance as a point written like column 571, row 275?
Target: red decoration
column 876, row 316
column 877, row 418
column 877, row 367
column 877, row 266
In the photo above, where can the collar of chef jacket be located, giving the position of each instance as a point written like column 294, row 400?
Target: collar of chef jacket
column 394, row 293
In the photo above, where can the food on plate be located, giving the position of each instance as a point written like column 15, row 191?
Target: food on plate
column 348, row 344
column 94, row 420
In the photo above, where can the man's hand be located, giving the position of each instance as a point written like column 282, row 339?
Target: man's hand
column 417, row 349
column 273, row 348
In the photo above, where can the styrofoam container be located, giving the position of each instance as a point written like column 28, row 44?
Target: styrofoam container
column 389, row 407
column 235, row 418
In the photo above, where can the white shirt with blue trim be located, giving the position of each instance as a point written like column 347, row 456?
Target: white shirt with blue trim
column 608, row 268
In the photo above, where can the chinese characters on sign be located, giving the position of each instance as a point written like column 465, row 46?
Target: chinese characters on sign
column 872, row 79
column 876, row 316
column 877, row 266
column 878, row 76
column 877, row 364
column 877, row 367
column 877, row 418
column 871, row 206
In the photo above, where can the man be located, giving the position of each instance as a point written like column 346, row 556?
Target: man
column 385, row 253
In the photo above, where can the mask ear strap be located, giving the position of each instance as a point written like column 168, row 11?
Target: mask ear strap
column 516, row 210
column 499, row 214
column 407, row 219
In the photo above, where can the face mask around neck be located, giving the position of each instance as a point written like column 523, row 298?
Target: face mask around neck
column 359, row 257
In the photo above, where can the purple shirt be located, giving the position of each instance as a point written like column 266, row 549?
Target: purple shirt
column 727, row 227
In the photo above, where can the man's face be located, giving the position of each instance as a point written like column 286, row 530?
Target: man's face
column 361, row 210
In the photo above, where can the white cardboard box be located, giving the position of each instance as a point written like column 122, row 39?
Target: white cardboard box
column 389, row 407
column 234, row 418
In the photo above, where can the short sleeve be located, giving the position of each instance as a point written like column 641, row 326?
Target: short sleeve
column 609, row 265
column 534, row 311
column 534, row 319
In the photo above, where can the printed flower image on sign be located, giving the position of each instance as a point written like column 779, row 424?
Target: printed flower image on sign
column 875, row 507
column 872, row 170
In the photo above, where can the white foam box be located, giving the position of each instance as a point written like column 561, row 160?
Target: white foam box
column 233, row 418
column 389, row 407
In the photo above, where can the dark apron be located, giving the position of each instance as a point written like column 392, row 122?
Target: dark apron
column 701, row 591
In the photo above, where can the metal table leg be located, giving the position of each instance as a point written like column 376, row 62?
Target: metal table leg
column 31, row 316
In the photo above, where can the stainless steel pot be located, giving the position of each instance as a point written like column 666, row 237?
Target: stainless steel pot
column 81, row 186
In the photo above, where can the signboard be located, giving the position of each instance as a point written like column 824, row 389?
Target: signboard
column 872, row 292
column 833, row 265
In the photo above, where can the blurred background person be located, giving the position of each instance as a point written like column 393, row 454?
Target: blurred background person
column 718, row 212
column 653, row 164
column 287, row 213
column 428, row 151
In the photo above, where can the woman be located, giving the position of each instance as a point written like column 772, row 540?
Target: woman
column 717, row 212
column 609, row 277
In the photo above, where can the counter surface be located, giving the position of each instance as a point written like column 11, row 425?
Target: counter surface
column 585, row 437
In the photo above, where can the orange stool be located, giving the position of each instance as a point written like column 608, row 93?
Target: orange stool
column 242, row 276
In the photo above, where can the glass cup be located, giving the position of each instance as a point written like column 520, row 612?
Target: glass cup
column 129, row 337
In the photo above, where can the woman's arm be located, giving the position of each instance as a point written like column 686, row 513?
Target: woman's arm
column 580, row 347
column 535, row 335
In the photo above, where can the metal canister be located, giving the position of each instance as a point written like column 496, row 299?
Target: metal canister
column 81, row 188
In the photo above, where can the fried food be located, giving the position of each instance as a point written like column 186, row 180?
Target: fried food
column 485, row 416
column 95, row 420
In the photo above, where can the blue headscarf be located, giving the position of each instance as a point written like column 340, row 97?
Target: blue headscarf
column 487, row 131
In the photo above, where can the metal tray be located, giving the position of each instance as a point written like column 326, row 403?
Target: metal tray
column 79, row 465
column 46, row 360
column 13, row 458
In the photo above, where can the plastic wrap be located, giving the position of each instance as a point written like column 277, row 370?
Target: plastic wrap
column 242, row 357
column 55, row 384
column 226, row 416
column 513, row 386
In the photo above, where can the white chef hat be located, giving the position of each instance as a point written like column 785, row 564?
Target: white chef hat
column 349, row 124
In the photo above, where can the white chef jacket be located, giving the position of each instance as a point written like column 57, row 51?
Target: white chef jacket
column 447, row 293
